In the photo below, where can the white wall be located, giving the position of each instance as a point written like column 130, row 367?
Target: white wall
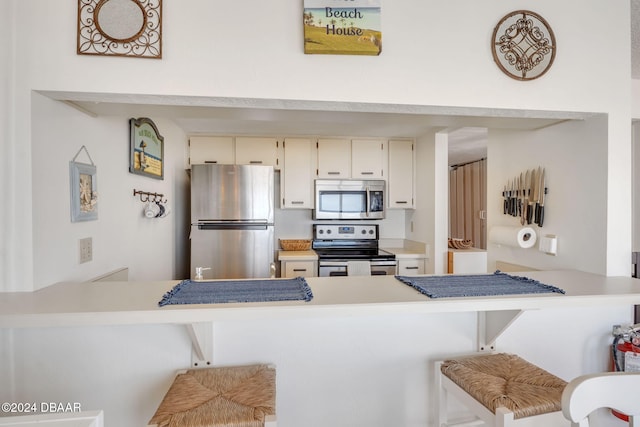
column 152, row 249
column 575, row 159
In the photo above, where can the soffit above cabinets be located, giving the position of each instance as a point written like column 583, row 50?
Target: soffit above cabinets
column 211, row 115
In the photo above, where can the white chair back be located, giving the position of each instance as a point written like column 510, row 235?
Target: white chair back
column 614, row 390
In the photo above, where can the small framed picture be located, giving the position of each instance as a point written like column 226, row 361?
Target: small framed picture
column 84, row 191
column 147, row 149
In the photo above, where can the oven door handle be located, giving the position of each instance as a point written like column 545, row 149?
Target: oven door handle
column 332, row 263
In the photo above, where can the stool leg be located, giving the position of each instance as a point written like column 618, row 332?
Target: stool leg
column 442, row 397
column 504, row 417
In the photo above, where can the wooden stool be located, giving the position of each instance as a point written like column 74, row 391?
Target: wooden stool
column 500, row 390
column 237, row 396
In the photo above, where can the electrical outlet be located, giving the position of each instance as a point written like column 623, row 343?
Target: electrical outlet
column 86, row 250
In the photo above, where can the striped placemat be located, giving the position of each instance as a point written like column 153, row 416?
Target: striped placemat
column 476, row 285
column 228, row 291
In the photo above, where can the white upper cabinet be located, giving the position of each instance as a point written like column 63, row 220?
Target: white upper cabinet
column 368, row 158
column 297, row 174
column 257, row 151
column 400, row 185
column 334, row 158
column 211, row 149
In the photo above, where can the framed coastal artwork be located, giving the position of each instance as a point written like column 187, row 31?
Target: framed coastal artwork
column 146, row 156
column 342, row 27
column 84, row 191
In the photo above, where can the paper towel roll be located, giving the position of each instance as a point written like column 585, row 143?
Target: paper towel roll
column 519, row 237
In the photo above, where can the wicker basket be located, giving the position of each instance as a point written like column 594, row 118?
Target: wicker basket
column 295, row 245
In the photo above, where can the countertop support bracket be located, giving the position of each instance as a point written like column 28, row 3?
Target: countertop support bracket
column 201, row 335
column 491, row 324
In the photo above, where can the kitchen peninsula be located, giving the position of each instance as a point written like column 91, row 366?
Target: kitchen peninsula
column 105, row 303
column 376, row 335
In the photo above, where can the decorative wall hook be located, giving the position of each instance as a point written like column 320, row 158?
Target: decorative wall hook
column 146, row 196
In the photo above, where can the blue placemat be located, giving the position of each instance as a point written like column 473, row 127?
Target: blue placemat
column 254, row 290
column 476, row 285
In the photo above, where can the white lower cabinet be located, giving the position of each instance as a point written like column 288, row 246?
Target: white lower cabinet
column 410, row 266
column 467, row 261
column 299, row 269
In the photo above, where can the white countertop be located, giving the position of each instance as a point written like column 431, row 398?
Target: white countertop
column 108, row 303
column 405, row 253
column 297, row 255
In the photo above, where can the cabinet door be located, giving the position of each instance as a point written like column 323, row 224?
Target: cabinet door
column 300, row 269
column 367, row 158
column 211, row 149
column 410, row 267
column 401, row 186
column 334, row 158
column 297, row 174
column 257, row 151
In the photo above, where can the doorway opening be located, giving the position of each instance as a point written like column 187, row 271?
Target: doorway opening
column 468, row 187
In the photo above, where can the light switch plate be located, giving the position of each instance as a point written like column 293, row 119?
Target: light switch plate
column 86, row 250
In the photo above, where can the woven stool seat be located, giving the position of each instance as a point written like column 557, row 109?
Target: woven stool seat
column 507, row 381
column 238, row 396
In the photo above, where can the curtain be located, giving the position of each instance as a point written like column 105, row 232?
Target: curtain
column 468, row 202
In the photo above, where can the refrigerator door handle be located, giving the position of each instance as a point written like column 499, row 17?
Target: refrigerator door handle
column 233, row 225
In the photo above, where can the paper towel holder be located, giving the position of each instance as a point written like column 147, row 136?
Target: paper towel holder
column 524, row 238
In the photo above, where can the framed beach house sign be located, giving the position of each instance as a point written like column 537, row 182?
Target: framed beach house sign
column 146, row 156
column 342, row 27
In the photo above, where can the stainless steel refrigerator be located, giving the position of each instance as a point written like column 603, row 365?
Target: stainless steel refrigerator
column 232, row 213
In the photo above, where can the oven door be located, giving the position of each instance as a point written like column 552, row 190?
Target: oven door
column 339, row 268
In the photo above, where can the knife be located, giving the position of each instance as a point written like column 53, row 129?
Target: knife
column 525, row 197
column 514, row 199
column 521, row 200
column 532, row 193
column 536, row 196
column 514, row 203
column 505, row 203
column 510, row 194
column 541, row 207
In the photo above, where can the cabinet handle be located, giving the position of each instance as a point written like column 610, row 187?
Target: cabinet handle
column 333, row 173
column 255, row 162
column 211, row 161
column 414, row 267
column 401, row 202
column 296, row 202
column 366, row 173
column 299, row 269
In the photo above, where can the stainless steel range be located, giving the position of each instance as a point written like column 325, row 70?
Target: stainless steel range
column 342, row 248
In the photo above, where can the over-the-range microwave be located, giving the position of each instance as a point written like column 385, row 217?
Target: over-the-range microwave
column 349, row 199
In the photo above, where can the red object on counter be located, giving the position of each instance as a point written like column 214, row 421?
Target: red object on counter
column 622, row 348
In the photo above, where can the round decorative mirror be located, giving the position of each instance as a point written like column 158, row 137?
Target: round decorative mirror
column 120, row 27
column 523, row 45
column 120, row 20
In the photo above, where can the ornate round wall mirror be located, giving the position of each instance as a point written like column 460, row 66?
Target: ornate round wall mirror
column 121, row 20
column 523, row 45
column 120, row 27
